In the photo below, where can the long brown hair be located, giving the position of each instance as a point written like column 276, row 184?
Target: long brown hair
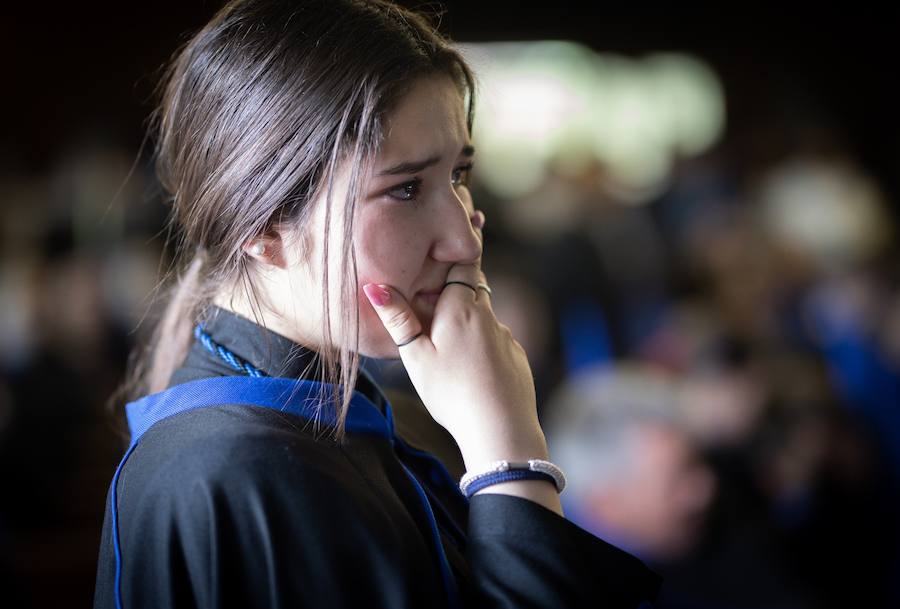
column 257, row 112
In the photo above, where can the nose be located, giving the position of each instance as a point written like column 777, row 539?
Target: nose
column 455, row 238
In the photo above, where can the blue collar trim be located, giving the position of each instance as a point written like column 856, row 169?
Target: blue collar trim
column 299, row 397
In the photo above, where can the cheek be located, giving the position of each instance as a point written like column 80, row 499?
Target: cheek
column 390, row 249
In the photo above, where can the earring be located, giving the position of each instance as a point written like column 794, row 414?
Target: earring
column 258, row 249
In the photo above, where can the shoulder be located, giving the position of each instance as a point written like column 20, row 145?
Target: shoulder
column 237, row 501
column 237, row 454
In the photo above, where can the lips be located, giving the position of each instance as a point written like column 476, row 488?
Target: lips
column 430, row 296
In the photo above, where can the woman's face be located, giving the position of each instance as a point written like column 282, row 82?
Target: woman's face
column 414, row 219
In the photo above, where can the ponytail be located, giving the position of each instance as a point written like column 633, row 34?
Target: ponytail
column 151, row 364
column 172, row 335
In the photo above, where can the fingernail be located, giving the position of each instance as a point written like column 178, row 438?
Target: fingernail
column 377, row 295
column 478, row 219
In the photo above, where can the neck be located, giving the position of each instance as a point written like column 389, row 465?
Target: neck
column 270, row 320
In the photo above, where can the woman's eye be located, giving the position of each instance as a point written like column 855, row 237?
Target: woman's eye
column 409, row 191
column 406, row 191
column 461, row 174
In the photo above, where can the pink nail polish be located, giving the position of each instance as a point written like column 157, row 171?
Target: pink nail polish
column 378, row 295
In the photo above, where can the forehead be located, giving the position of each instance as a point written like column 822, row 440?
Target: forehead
column 429, row 119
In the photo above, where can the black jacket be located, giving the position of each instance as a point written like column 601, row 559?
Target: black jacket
column 237, row 506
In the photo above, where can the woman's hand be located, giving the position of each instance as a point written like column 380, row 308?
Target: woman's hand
column 473, row 377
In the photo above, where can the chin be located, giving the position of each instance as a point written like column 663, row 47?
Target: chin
column 376, row 342
column 380, row 351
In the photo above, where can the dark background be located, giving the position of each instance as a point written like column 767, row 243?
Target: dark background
column 79, row 66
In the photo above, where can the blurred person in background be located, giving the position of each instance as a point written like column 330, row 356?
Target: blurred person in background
column 635, row 475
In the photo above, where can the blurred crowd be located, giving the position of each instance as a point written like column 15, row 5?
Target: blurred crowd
column 718, row 370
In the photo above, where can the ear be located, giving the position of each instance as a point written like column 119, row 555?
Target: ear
column 269, row 248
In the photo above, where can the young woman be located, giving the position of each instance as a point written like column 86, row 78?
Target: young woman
column 317, row 154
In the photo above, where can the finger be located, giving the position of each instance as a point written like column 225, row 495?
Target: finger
column 469, row 277
column 478, row 219
column 484, row 293
column 466, row 273
column 397, row 317
column 461, row 281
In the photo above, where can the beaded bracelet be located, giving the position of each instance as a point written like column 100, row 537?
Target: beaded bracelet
column 497, row 477
column 506, row 471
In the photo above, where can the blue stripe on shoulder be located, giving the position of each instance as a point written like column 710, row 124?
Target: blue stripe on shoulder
column 299, row 397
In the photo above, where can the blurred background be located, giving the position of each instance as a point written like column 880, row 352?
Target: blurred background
column 691, row 227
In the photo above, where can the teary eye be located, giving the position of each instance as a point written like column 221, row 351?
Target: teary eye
column 407, row 191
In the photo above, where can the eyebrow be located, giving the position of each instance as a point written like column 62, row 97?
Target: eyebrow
column 416, row 166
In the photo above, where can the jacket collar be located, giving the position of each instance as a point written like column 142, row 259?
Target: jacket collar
column 300, row 397
column 274, row 354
